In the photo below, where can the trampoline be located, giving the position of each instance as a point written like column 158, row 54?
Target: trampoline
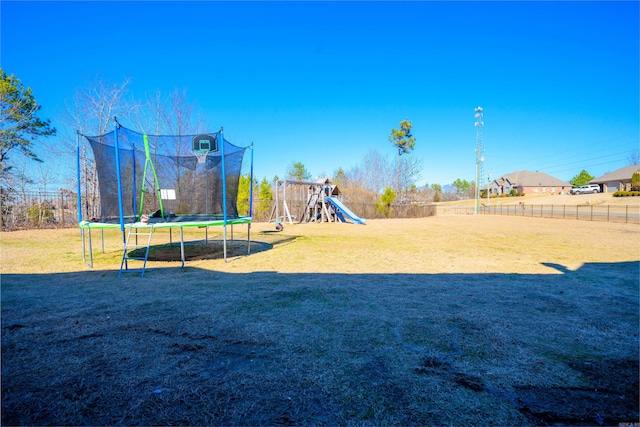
column 151, row 182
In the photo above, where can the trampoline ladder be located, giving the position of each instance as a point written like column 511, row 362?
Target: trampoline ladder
column 124, row 265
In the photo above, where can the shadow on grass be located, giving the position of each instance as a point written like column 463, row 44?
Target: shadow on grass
column 196, row 347
column 209, row 249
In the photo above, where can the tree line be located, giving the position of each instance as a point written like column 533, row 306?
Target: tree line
column 27, row 160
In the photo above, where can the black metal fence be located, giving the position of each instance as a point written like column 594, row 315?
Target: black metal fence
column 27, row 210
column 591, row 212
column 30, row 209
column 405, row 210
column 363, row 210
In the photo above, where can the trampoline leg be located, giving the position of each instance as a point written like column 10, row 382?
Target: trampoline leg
column 90, row 251
column 224, row 242
column 84, row 258
column 249, row 239
column 84, row 247
column 181, row 247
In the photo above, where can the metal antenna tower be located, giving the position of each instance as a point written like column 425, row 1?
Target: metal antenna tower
column 479, row 153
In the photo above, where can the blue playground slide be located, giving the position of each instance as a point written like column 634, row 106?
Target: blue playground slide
column 342, row 210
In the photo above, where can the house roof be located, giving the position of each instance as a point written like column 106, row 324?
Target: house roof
column 622, row 174
column 534, row 179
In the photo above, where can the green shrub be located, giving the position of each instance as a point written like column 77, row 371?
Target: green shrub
column 384, row 204
column 635, row 181
column 41, row 214
column 626, row 193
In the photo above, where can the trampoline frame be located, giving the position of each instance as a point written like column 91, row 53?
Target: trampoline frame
column 88, row 226
column 175, row 221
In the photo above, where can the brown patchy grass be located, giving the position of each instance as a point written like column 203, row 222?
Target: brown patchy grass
column 472, row 320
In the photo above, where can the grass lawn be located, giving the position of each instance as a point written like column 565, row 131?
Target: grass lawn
column 465, row 320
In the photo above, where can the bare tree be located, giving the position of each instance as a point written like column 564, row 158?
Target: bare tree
column 20, row 181
column 46, row 173
column 92, row 113
column 173, row 114
column 96, row 105
column 410, row 169
column 373, row 172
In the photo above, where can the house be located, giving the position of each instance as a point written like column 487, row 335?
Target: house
column 528, row 183
column 619, row 179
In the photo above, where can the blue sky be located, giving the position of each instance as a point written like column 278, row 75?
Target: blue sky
column 322, row 83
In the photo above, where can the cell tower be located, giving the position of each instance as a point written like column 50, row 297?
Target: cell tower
column 479, row 154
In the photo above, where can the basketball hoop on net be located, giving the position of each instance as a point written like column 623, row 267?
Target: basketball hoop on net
column 201, row 156
column 202, row 145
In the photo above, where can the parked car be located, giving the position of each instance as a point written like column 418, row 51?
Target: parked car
column 585, row 189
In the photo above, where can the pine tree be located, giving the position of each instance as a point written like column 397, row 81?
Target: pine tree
column 404, row 143
column 19, row 124
column 582, row 178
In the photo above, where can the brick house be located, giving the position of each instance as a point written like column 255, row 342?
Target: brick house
column 528, row 183
column 619, row 179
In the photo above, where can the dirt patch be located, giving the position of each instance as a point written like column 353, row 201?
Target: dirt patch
column 609, row 396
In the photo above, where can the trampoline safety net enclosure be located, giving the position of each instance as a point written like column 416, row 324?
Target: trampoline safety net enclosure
column 169, row 178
